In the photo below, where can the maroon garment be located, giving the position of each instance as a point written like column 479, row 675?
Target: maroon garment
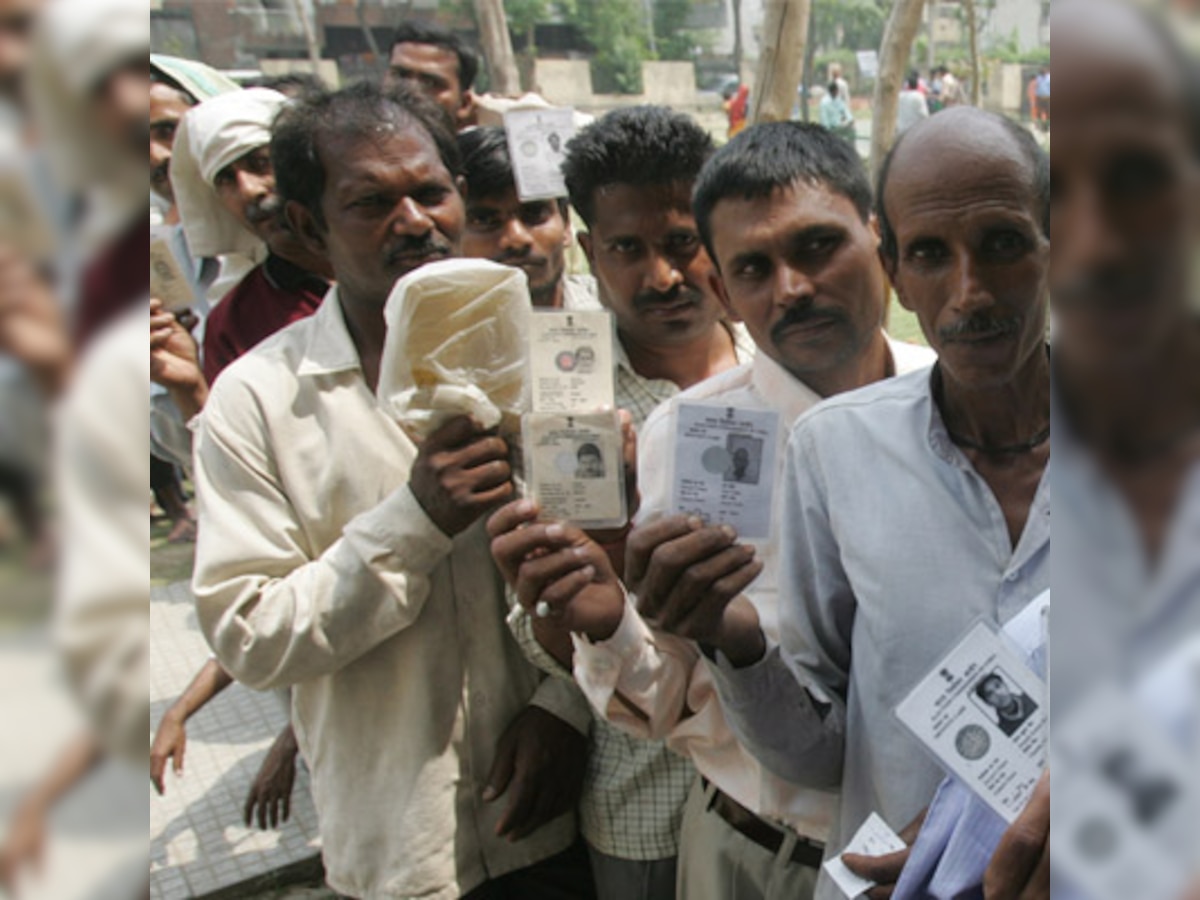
column 117, row 278
column 271, row 296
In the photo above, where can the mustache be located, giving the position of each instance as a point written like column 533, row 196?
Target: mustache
column 418, row 247
column 270, row 207
column 161, row 172
column 1109, row 289
column 981, row 324
column 805, row 314
column 517, row 257
column 648, row 299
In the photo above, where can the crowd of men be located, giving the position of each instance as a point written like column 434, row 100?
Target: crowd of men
column 495, row 704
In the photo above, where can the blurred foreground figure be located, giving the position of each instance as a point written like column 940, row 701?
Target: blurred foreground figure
column 89, row 85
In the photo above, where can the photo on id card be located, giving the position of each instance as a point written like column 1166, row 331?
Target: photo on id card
column 982, row 713
column 571, row 361
column 724, row 466
column 574, row 467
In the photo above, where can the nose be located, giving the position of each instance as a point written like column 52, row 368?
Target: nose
column 254, row 188
column 411, row 218
column 792, row 286
column 969, row 292
column 160, row 152
column 515, row 237
column 663, row 274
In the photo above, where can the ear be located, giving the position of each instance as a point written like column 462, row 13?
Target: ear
column 891, row 267
column 717, row 284
column 465, row 117
column 304, row 225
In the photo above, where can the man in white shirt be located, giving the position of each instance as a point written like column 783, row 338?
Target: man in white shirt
column 911, row 107
column 784, row 209
column 338, row 557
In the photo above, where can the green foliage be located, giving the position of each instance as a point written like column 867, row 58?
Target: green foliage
column 671, row 39
column 616, row 28
column 523, row 15
column 849, row 24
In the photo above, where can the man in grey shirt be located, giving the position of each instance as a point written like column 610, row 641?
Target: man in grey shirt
column 915, row 506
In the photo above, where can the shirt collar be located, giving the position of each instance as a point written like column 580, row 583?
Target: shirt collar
column 782, row 390
column 330, row 348
column 744, row 348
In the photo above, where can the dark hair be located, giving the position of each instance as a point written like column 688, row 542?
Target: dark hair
column 357, row 111
column 639, row 145
column 294, row 84
column 590, row 449
column 437, row 36
column 912, row 82
column 1035, row 157
column 775, row 155
column 990, row 678
column 833, row 89
column 487, row 166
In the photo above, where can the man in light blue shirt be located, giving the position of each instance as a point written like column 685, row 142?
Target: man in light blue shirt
column 913, row 507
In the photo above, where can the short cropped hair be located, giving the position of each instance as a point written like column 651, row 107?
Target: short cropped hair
column 355, row 111
column 774, row 155
column 487, row 165
column 435, row 35
column 1035, row 156
column 640, row 145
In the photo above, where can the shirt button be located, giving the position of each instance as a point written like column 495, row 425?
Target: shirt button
column 1012, row 576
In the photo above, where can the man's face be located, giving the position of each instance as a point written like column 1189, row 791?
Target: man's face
column 996, row 693
column 120, row 106
column 432, row 70
column 167, row 107
column 973, row 262
column 1125, row 177
column 649, row 263
column 590, row 465
column 246, row 187
column 16, row 28
column 799, row 268
column 531, row 236
column 389, row 206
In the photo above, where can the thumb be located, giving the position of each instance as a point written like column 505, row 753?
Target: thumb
column 880, row 869
column 502, row 771
column 178, row 758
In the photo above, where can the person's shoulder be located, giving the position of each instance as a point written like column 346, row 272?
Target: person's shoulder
column 707, row 391
column 266, row 372
column 874, row 407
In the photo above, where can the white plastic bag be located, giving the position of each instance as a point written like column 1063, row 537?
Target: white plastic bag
column 457, row 344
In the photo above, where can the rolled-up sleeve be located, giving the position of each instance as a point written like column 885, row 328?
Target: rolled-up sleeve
column 273, row 612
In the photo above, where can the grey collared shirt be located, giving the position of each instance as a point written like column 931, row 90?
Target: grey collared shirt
column 892, row 546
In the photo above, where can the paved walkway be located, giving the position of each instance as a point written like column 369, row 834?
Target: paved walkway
column 198, row 844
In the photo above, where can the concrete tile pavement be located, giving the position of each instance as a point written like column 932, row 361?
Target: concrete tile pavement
column 198, row 844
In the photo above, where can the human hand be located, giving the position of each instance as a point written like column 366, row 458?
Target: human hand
column 460, row 473
column 688, row 578
column 540, row 764
column 24, row 846
column 1020, row 867
column 170, row 743
column 270, row 797
column 885, row 870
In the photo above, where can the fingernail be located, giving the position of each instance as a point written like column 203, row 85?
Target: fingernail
column 728, row 531
column 695, row 523
column 556, row 530
column 525, row 507
column 589, row 571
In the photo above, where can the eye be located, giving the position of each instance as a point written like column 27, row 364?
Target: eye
column 164, row 132
column 1136, row 174
column 368, row 202
column 482, row 220
column 927, row 251
column 820, row 244
column 536, row 213
column 683, row 243
column 624, row 245
column 1006, row 244
column 225, row 178
column 753, row 269
column 432, row 195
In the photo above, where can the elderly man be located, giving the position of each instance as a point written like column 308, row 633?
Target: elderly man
column 786, row 212
column 532, row 235
column 338, row 557
column 438, row 63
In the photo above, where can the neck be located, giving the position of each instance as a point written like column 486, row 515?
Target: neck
column 293, row 251
column 368, row 331
column 1120, row 411
column 550, row 297
column 1001, row 416
column 684, row 364
column 874, row 363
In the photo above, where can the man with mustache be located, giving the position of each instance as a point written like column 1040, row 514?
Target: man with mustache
column 531, row 235
column 912, row 507
column 439, row 64
column 785, row 210
column 338, row 557
column 630, row 177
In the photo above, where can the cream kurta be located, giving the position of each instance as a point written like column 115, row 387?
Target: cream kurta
column 316, row 567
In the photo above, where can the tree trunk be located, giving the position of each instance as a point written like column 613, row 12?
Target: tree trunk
column 973, row 46
column 930, row 46
column 898, row 35
column 738, row 50
column 497, row 46
column 810, row 55
column 781, row 63
column 310, row 36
